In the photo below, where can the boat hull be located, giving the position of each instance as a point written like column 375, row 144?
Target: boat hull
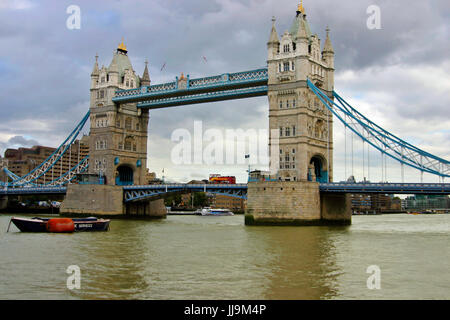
column 40, row 224
column 27, row 225
column 216, row 212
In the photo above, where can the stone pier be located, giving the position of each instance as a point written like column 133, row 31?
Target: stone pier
column 142, row 209
column 294, row 203
column 3, row 202
column 107, row 201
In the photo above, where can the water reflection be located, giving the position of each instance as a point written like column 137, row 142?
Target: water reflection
column 305, row 266
column 113, row 262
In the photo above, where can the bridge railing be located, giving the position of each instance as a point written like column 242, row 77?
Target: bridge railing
column 186, row 185
column 204, row 97
column 218, row 82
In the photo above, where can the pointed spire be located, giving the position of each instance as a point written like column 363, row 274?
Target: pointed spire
column 145, row 80
column 328, row 47
column 95, row 71
column 122, row 47
column 273, row 33
column 300, row 7
column 113, row 67
column 301, row 31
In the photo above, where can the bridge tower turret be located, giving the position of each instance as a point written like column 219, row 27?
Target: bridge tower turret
column 118, row 132
column 303, row 124
column 303, row 157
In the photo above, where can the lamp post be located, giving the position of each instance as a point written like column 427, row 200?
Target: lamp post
column 247, row 156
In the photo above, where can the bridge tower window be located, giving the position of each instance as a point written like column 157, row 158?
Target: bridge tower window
column 128, row 123
column 128, row 145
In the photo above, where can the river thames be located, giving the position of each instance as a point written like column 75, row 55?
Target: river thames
column 195, row 257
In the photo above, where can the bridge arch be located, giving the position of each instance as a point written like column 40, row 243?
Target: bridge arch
column 317, row 169
column 151, row 192
column 124, row 175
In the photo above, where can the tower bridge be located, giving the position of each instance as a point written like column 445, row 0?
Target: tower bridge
column 299, row 84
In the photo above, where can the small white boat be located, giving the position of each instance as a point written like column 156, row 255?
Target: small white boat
column 216, row 212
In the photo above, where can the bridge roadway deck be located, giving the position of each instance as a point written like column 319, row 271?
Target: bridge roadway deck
column 137, row 192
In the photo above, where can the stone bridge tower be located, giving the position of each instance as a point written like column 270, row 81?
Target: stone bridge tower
column 303, row 123
column 118, row 133
column 303, row 156
column 117, row 146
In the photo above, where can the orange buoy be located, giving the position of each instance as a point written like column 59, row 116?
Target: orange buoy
column 60, row 225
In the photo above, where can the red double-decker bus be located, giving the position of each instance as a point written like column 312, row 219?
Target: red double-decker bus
column 215, row 178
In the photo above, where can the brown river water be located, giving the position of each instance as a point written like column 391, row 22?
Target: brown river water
column 195, row 257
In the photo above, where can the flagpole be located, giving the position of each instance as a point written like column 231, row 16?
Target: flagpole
column 247, row 156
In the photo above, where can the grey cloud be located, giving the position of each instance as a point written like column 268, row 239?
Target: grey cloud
column 21, row 141
column 16, row 142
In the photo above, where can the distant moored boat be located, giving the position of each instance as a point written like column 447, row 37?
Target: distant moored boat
column 216, row 212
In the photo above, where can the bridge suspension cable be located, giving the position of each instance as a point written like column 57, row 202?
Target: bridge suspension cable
column 381, row 139
column 49, row 163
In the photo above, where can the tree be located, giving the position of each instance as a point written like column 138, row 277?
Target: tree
column 200, row 199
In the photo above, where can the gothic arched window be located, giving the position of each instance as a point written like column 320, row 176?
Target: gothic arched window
column 128, row 123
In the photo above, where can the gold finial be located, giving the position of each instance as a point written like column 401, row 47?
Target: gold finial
column 300, row 7
column 122, row 46
column 182, row 76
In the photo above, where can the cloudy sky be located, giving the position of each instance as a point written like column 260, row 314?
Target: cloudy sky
column 398, row 76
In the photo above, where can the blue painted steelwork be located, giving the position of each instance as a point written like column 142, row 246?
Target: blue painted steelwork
column 69, row 175
column 380, row 138
column 33, row 190
column 227, row 81
column 136, row 193
column 48, row 163
column 204, row 97
column 63, row 179
column 139, row 193
column 386, row 188
column 146, row 192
